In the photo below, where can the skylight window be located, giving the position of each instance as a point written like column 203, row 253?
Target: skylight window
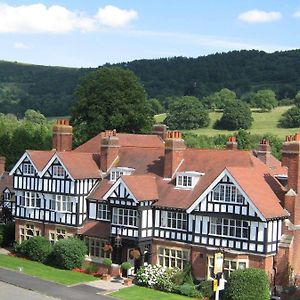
column 115, row 173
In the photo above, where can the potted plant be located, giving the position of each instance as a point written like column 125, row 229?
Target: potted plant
column 126, row 266
column 107, row 263
column 135, row 254
column 107, row 248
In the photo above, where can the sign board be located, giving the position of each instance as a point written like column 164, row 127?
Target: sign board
column 218, row 263
column 215, row 285
column 222, row 284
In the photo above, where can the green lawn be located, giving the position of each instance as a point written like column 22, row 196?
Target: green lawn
column 138, row 293
column 263, row 123
column 42, row 271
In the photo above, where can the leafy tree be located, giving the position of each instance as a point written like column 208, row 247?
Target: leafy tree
column 247, row 284
column 111, row 98
column 265, row 100
column 291, row 118
column 34, row 117
column 219, row 99
column 236, row 115
column 297, row 99
column 156, row 106
column 187, row 112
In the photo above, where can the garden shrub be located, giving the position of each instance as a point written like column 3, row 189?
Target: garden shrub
column 36, row 248
column 91, row 269
column 184, row 276
column 69, row 253
column 205, row 288
column 155, row 276
column 247, row 284
column 190, row 290
column 8, row 235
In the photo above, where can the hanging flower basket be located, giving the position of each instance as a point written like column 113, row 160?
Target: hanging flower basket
column 135, row 254
column 107, row 248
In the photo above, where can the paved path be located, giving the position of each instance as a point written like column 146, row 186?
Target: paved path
column 9, row 292
column 78, row 292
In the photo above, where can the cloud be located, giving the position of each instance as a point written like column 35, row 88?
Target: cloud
column 259, row 16
column 38, row 18
column 296, row 14
column 20, row 45
column 115, row 17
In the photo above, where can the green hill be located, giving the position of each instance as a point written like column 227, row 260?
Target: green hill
column 263, row 123
column 50, row 89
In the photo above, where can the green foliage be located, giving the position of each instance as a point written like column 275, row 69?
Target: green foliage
column 236, row 115
column 297, row 99
column 126, row 265
column 247, row 284
column 291, row 118
column 91, row 269
column 37, row 248
column 107, row 262
column 156, row 106
column 34, row 117
column 219, row 99
column 205, row 288
column 186, row 113
column 184, row 277
column 8, row 234
column 190, row 290
column 110, row 98
column 265, row 100
column 69, row 253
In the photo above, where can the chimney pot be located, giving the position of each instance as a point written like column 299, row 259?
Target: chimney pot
column 62, row 135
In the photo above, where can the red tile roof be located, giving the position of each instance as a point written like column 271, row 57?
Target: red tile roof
column 143, row 187
column 96, row 229
column 40, row 158
column 125, row 140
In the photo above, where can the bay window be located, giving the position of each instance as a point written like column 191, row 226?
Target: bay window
column 124, row 216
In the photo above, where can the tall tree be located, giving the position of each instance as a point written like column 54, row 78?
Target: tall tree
column 110, row 98
column 219, row 99
column 265, row 99
column 187, row 112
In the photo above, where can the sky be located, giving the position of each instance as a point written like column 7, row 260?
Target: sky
column 90, row 33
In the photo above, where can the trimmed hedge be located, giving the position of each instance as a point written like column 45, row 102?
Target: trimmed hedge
column 69, row 253
column 37, row 248
column 247, row 284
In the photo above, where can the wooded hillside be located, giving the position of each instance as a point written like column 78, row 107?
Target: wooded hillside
column 50, row 89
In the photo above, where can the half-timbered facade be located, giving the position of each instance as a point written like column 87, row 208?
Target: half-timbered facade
column 156, row 201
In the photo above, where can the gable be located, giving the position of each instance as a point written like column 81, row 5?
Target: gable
column 225, row 195
column 55, row 168
column 24, row 166
column 120, row 190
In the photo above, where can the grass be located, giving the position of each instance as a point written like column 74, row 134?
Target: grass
column 138, row 292
column 42, row 271
column 263, row 123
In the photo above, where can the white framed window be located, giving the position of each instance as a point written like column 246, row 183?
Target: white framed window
column 61, row 203
column 103, row 213
column 28, row 169
column 7, row 195
column 229, row 265
column 184, row 181
column 124, row 216
column 115, row 173
column 173, row 257
column 58, row 234
column 95, row 248
column 227, row 193
column 27, row 231
column 229, row 227
column 58, row 171
column 174, row 220
column 30, row 200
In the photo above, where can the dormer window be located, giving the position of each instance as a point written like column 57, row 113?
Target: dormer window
column 187, row 179
column 28, row 169
column 115, row 173
column 58, row 171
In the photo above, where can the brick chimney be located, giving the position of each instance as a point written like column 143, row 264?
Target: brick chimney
column 231, row 144
column 2, row 164
column 62, row 136
column 263, row 151
column 160, row 130
column 174, row 152
column 291, row 159
column 109, row 149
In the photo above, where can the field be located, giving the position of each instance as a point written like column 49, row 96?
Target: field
column 263, row 123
